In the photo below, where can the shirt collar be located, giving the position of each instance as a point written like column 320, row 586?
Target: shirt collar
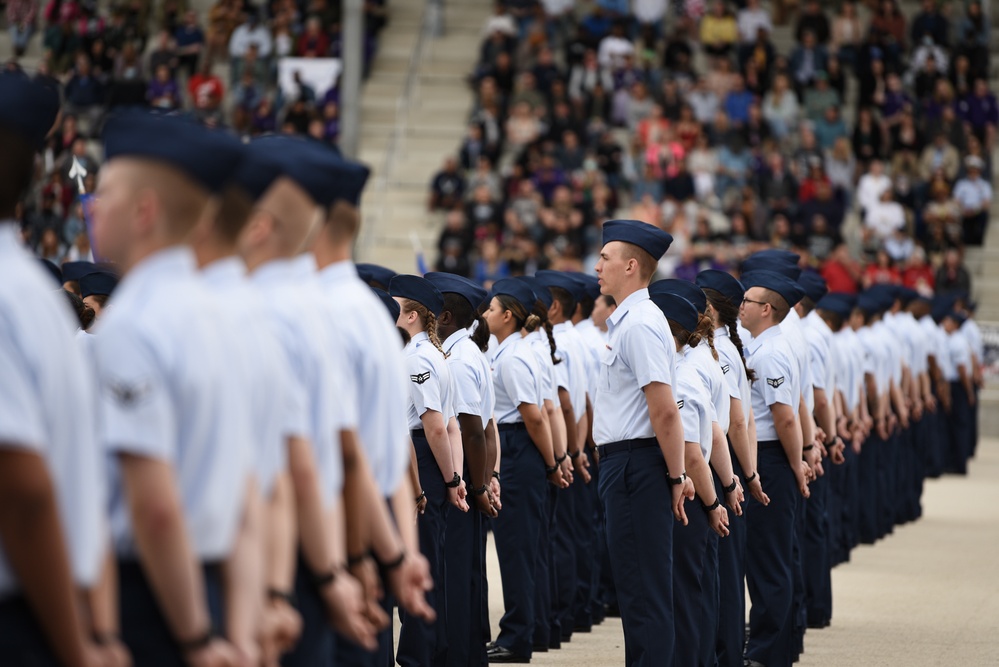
column 767, row 334
column 507, row 343
column 454, row 339
column 419, row 338
column 304, row 265
column 175, row 260
column 622, row 309
column 225, row 271
column 564, row 326
column 273, row 271
column 337, row 272
column 721, row 332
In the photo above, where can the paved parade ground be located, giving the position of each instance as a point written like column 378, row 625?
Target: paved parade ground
column 926, row 595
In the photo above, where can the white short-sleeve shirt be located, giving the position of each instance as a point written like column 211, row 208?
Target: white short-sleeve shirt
column 516, row 378
column 733, row 370
column 710, row 371
column 574, row 358
column 376, row 364
column 471, row 378
column 640, row 350
column 776, row 379
column 47, row 405
column 429, row 381
column 166, row 393
column 695, row 404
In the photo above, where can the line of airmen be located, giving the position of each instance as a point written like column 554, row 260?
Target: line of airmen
column 236, row 487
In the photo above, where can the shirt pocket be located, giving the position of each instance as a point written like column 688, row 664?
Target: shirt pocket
column 610, row 371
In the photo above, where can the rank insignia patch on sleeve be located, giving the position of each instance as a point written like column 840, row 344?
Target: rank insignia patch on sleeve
column 775, row 382
column 420, row 378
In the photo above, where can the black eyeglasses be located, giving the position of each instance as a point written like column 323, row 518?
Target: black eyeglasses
column 761, row 303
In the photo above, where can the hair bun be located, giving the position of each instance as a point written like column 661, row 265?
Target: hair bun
column 532, row 322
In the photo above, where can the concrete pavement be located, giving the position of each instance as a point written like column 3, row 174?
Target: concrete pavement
column 926, row 595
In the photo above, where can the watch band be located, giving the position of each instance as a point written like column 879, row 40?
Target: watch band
column 676, row 481
column 455, row 481
column 712, row 507
column 732, row 487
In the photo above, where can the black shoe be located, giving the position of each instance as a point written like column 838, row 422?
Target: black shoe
column 491, row 646
column 500, row 654
column 567, row 638
column 613, row 612
column 555, row 644
column 582, row 628
column 539, row 648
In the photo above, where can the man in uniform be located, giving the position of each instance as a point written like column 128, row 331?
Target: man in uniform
column 52, row 528
column 164, row 399
column 639, row 439
column 776, row 397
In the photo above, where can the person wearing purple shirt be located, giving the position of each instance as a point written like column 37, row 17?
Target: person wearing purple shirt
column 980, row 110
column 163, row 92
column 548, row 177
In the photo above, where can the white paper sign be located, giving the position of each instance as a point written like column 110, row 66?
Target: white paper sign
column 320, row 74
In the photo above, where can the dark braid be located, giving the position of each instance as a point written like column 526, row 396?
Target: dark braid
column 706, row 331
column 727, row 316
column 542, row 314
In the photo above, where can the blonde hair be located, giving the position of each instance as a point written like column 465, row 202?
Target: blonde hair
column 427, row 320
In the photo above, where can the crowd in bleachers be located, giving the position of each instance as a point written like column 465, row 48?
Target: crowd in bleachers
column 867, row 145
column 221, row 66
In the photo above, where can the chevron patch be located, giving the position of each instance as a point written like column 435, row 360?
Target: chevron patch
column 775, row 382
column 725, row 368
column 420, row 378
column 679, row 404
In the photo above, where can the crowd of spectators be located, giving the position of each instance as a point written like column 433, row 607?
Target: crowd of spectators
column 165, row 54
column 866, row 146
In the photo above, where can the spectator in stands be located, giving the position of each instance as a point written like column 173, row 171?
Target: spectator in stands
column 85, row 92
column 250, row 33
column 830, row 128
column 780, row 108
column 750, row 19
column 918, row 274
column 447, row 187
column 190, row 41
column 846, row 33
column 942, row 212
column 813, row 20
column 973, row 38
column 939, row 157
column 819, row 97
column 21, row 15
column 872, row 185
column 981, row 112
column 719, row 31
column 163, row 91
column 313, row 42
column 206, row 90
column 952, row 276
column 930, row 22
column 164, row 53
column 973, row 195
column 882, row 271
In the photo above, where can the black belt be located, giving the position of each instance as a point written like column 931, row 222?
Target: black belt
column 515, row 426
column 769, row 444
column 418, row 433
column 626, row 446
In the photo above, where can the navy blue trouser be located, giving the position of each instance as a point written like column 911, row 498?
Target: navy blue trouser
column 800, row 612
column 887, row 470
column 769, row 560
column 144, row 628
column 818, row 579
column 851, row 502
column 961, row 434
column 834, row 511
column 586, row 526
column 637, row 505
column 690, row 576
column 465, row 578
column 423, row 644
column 867, row 506
column 22, row 640
column 546, row 632
column 518, row 533
column 731, row 639
column 565, row 573
column 316, row 644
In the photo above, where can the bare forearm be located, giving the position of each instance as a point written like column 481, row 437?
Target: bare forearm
column 825, row 413
column 721, row 460
column 36, row 552
column 699, row 472
column 556, row 423
column 281, row 537
column 102, row 599
column 311, row 521
column 473, row 441
column 402, row 507
column 454, row 436
column 738, row 435
column 541, row 435
column 161, row 538
column 378, row 532
column 570, row 422
column 788, row 432
column 492, row 448
column 243, row 573
column 807, row 422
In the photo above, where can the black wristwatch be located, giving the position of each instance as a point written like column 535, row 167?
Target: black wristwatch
column 479, row 491
column 198, row 643
column 551, row 470
column 455, row 482
column 575, row 455
column 559, row 460
column 751, row 477
column 712, row 507
column 676, row 481
column 496, row 475
column 732, row 487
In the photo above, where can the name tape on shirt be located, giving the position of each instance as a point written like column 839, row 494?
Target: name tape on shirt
column 775, row 382
column 128, row 395
column 679, row 404
column 420, row 378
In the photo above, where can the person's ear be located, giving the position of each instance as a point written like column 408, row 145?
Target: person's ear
column 445, row 319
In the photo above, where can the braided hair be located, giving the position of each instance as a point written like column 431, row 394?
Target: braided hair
column 728, row 314
column 542, row 314
column 427, row 319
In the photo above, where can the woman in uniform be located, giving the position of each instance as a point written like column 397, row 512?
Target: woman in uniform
column 528, row 460
column 724, row 296
column 437, row 444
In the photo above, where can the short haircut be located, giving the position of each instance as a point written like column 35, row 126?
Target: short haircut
column 778, row 303
column 647, row 264
column 235, row 208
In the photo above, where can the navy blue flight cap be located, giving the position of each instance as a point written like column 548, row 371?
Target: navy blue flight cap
column 779, row 261
column 788, row 289
column 870, row 302
column 257, row 171
column 814, row 285
column 98, row 283
column 52, row 270
column 648, row 237
column 907, row 295
column 208, row 157
column 684, row 288
column 541, row 292
column 299, row 160
column 516, row 289
column 418, row 289
column 346, row 178
column 28, row 106
column 676, row 308
column 76, row 270
column 393, row 307
column 722, row 282
column 836, row 303
column 449, row 283
column 591, row 284
column 372, row 273
column 563, row 280
column 957, row 317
